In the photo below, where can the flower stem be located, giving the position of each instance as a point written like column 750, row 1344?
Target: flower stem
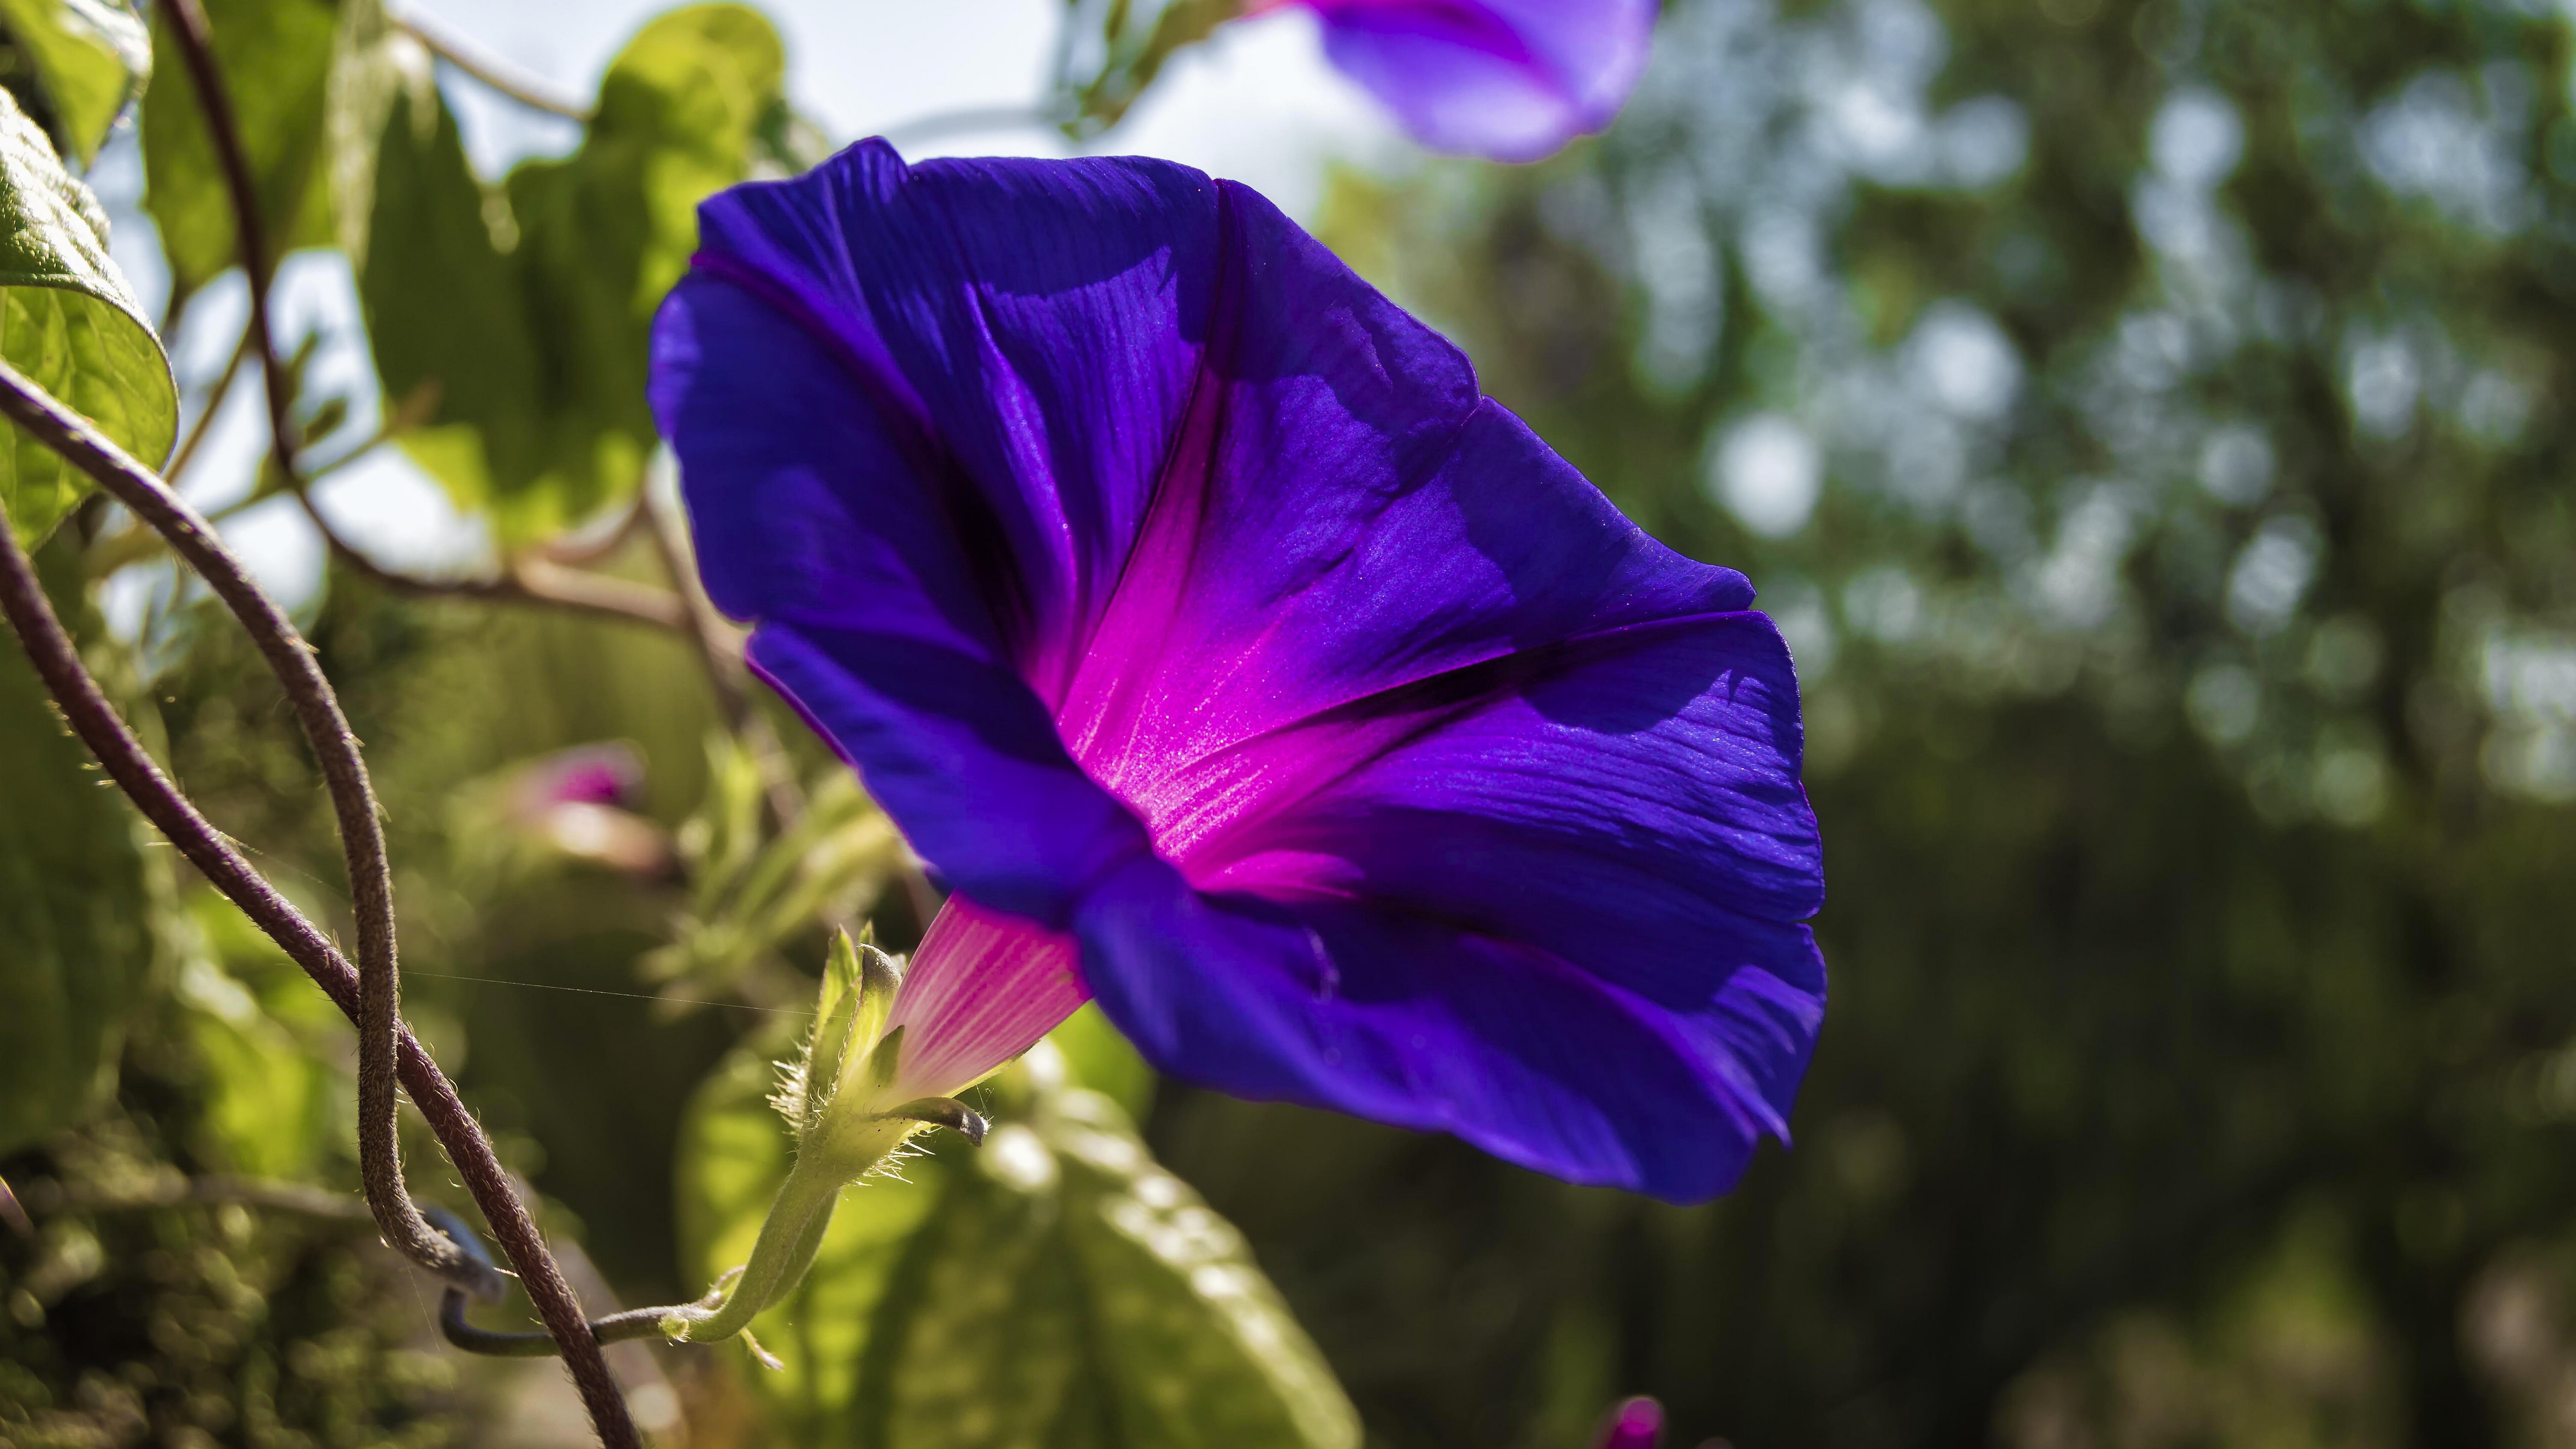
column 789, row 1238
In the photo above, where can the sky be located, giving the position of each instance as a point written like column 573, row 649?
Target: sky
column 1255, row 103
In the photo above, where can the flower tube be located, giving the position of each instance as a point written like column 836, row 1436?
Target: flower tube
column 1239, row 664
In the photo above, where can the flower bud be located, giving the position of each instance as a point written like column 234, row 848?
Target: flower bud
column 843, row 1099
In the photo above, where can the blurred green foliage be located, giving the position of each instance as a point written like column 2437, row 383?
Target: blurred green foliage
column 2138, row 416
column 75, row 943
column 1054, row 1286
column 282, row 120
column 517, row 316
column 2143, row 419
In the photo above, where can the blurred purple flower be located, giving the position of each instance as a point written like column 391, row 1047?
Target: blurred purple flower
column 1509, row 79
column 1195, row 617
column 1637, row 1423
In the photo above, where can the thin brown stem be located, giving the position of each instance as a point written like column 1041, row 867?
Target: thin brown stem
column 99, row 726
column 572, row 551
column 721, row 656
column 491, row 74
column 186, row 452
column 527, row 580
column 86, row 708
column 344, row 769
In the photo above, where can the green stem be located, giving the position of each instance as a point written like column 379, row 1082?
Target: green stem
column 789, row 1238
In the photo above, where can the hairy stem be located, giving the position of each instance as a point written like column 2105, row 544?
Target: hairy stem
column 344, row 770
column 96, row 721
column 789, row 1238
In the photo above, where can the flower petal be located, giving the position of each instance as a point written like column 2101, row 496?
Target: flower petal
column 870, row 619
column 1065, row 494
column 1621, row 800
column 982, row 989
column 1509, row 79
column 1343, row 514
column 1403, row 1018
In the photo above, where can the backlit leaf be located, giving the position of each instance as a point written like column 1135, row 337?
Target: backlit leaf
column 528, row 309
column 70, row 323
column 92, row 58
column 273, row 1104
column 276, row 58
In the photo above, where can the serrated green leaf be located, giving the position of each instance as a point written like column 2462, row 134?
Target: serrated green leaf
column 70, row 323
column 532, row 306
column 74, row 898
column 91, row 56
column 1054, row 1288
column 276, row 57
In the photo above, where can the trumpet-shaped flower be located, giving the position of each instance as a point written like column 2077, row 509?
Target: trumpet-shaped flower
column 1509, row 79
column 1238, row 663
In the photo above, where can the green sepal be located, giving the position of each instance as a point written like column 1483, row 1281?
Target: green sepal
column 886, row 1059
column 945, row 1112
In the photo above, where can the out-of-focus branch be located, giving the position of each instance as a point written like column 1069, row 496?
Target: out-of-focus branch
column 490, row 73
column 942, row 124
column 186, row 452
column 721, row 656
column 532, row 579
column 48, row 1198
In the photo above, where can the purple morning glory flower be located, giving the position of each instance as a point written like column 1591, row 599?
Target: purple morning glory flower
column 1509, row 79
column 1239, row 664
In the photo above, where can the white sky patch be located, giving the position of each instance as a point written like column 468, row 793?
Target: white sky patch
column 2196, row 139
column 1963, row 361
column 1768, row 473
column 2271, row 575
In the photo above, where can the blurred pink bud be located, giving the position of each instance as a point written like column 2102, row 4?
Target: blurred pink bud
column 1637, row 1423
column 574, row 800
column 601, row 774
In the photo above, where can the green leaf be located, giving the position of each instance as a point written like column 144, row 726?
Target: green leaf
column 276, row 58
column 273, row 1103
column 528, row 311
column 1101, row 1058
column 91, row 56
column 74, row 901
column 1121, row 47
column 1055, row 1287
column 69, row 322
